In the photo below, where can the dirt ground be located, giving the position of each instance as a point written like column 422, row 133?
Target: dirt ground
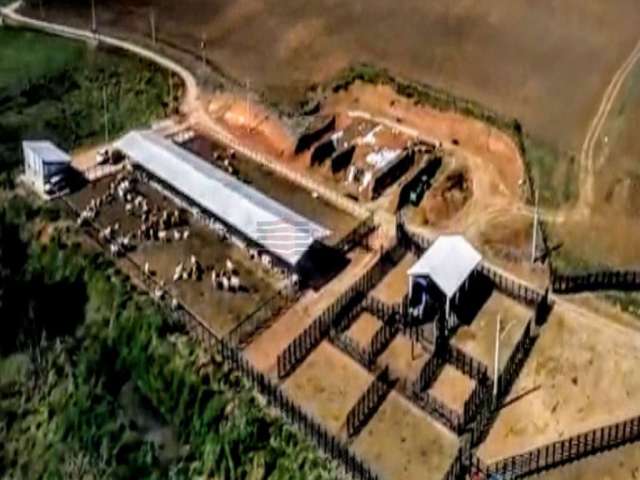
column 265, row 348
column 401, row 442
column 222, row 310
column 582, row 374
column 364, row 328
column 478, row 338
column 452, row 387
column 327, row 385
column 619, row 464
column 403, row 361
column 513, row 56
column 395, row 285
column 293, row 196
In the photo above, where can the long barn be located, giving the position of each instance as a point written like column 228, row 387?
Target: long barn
column 257, row 218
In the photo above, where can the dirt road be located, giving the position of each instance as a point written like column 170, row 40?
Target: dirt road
column 587, row 162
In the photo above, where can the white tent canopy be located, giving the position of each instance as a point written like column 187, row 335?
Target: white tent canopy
column 263, row 220
column 448, row 262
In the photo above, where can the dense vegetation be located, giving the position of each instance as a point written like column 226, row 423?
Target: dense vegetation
column 97, row 379
column 53, row 88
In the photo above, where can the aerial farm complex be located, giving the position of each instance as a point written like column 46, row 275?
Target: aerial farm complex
column 381, row 271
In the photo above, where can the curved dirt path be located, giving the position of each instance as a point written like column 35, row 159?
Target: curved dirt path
column 587, row 162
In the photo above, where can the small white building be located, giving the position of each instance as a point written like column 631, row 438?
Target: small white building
column 45, row 165
column 442, row 276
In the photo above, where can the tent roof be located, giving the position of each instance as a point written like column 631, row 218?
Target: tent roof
column 262, row 219
column 448, row 262
column 47, row 151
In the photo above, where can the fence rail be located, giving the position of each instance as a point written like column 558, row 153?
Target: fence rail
column 562, row 451
column 336, row 314
column 356, row 235
column 512, row 288
column 628, row 280
column 369, row 403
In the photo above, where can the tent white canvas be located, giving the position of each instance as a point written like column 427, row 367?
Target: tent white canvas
column 448, row 262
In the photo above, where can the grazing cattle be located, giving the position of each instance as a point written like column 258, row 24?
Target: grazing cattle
column 230, row 266
column 266, row 260
column 178, row 272
column 235, row 283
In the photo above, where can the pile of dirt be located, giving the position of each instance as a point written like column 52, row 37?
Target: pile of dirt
column 447, row 197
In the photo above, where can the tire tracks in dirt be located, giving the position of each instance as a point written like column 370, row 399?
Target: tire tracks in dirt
column 587, row 172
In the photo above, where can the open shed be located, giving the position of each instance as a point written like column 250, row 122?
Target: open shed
column 442, row 276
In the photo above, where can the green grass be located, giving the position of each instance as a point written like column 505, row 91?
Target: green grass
column 28, row 55
column 554, row 173
column 52, row 88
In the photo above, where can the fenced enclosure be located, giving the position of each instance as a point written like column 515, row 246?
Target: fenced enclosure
column 369, row 403
column 338, row 312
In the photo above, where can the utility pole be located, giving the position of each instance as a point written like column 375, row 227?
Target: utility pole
column 534, row 240
column 41, row 9
column 496, row 359
column 203, row 46
column 152, row 22
column 106, row 117
column 94, row 23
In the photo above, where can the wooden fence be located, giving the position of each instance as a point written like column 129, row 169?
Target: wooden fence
column 628, row 280
column 511, row 287
column 356, row 235
column 369, row 403
column 561, row 452
column 262, row 316
column 335, row 314
column 325, row 440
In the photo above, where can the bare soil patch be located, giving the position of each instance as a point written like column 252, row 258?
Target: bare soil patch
column 327, row 385
column 581, row 375
column 364, row 328
column 403, row 359
column 452, row 387
column 402, row 442
column 478, row 338
column 395, row 285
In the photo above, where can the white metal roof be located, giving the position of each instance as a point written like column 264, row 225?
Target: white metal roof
column 448, row 262
column 262, row 219
column 47, row 151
